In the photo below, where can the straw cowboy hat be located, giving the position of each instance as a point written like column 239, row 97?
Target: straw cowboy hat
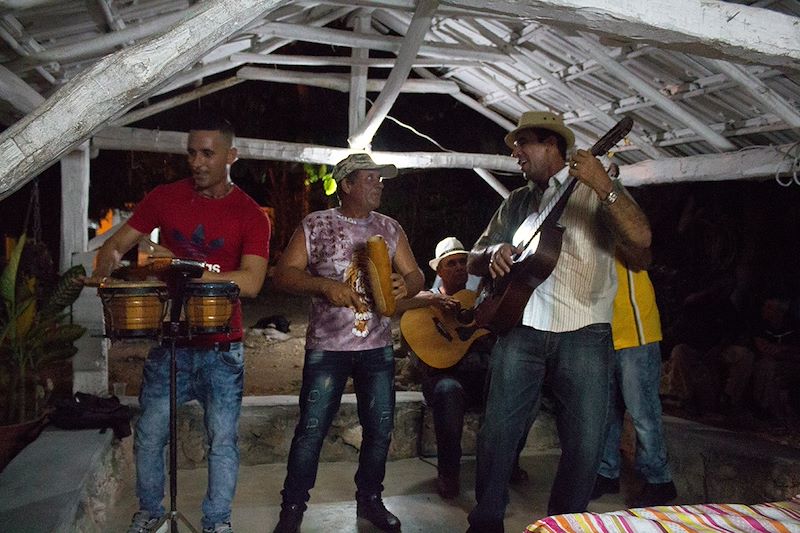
column 446, row 247
column 541, row 119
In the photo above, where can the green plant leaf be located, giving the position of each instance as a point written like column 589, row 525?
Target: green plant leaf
column 60, row 354
column 8, row 280
column 63, row 334
column 68, row 289
column 329, row 185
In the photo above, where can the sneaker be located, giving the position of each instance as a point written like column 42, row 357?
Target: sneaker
column 290, row 518
column 604, row 485
column 142, row 522
column 654, row 494
column 371, row 508
column 222, row 527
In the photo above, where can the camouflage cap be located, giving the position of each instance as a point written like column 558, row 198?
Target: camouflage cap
column 361, row 161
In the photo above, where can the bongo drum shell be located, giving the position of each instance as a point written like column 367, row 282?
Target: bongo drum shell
column 209, row 306
column 133, row 309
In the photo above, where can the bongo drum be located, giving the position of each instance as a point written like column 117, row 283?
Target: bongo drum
column 208, row 306
column 133, row 309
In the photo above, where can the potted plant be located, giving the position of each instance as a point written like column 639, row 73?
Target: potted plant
column 33, row 335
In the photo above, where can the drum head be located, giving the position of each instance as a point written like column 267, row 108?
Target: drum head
column 216, row 288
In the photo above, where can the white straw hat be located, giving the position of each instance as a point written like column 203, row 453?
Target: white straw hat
column 446, row 247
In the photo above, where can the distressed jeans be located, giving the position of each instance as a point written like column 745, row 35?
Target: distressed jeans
column 578, row 366
column 325, row 374
column 635, row 381
column 215, row 379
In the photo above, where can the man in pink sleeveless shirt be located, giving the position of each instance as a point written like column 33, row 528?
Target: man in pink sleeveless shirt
column 346, row 335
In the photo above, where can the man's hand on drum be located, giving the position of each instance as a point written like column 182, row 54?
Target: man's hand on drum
column 102, row 270
column 341, row 294
column 501, row 257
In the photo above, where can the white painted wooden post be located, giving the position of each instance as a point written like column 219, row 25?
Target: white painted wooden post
column 74, row 204
column 362, row 23
column 90, row 364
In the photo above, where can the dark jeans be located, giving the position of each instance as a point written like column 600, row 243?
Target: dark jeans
column 578, row 365
column 325, row 374
column 449, row 393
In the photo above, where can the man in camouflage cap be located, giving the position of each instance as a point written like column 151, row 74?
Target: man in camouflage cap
column 361, row 161
column 346, row 335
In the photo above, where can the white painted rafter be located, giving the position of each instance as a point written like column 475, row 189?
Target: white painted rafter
column 361, row 138
column 752, row 163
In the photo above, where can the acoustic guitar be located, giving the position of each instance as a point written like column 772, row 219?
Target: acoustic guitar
column 503, row 300
column 440, row 339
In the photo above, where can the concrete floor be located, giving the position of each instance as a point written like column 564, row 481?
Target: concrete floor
column 409, row 493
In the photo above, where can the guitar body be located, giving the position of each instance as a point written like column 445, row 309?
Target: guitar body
column 505, row 298
column 440, row 339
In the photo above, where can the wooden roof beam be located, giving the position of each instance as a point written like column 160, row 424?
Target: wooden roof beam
column 341, row 82
column 753, row 163
column 712, row 29
column 104, row 44
column 221, row 65
column 644, row 88
column 338, row 61
column 16, row 92
column 386, row 43
column 758, row 90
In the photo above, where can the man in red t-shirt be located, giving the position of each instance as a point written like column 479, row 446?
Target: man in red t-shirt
column 204, row 218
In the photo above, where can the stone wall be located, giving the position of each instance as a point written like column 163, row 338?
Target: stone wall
column 267, row 425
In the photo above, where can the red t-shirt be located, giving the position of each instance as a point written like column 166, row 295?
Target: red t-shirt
column 216, row 231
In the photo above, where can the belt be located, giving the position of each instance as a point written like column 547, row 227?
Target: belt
column 219, row 346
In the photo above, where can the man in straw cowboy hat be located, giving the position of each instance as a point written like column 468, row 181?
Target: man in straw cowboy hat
column 565, row 330
column 456, row 381
column 346, row 336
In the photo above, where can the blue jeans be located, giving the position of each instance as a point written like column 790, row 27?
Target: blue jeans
column 578, row 369
column 637, row 374
column 325, row 374
column 215, row 379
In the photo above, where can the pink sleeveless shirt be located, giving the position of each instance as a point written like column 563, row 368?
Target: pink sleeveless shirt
column 336, row 248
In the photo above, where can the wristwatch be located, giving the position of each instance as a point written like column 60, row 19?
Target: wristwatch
column 613, row 194
column 610, row 199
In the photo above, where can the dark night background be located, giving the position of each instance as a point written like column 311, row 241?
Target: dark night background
column 736, row 234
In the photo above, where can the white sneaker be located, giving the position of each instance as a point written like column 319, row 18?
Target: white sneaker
column 222, row 527
column 143, row 523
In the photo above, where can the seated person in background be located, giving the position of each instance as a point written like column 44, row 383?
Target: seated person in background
column 711, row 364
column 450, row 391
column 636, row 331
column 777, row 369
